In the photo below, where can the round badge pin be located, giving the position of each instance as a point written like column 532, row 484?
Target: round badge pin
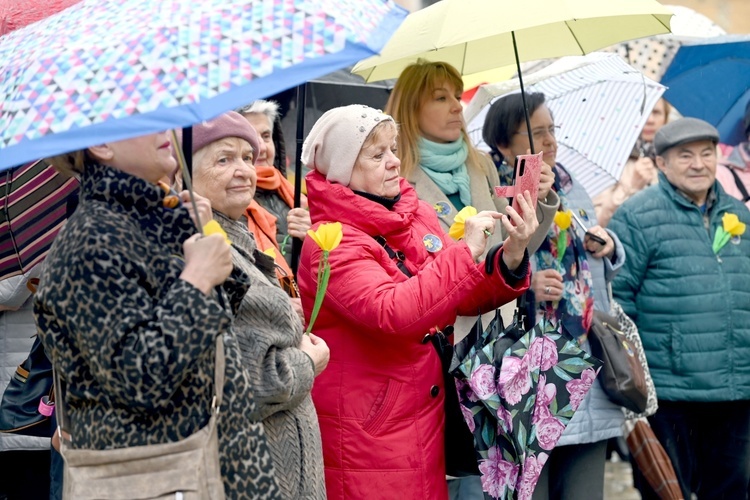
column 583, row 214
column 736, row 240
column 432, row 243
column 442, row 208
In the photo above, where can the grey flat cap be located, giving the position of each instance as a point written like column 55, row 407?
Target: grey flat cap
column 683, row 131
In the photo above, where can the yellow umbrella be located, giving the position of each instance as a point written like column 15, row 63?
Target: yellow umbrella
column 475, row 35
column 480, row 35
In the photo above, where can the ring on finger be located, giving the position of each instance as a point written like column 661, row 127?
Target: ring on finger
column 547, row 290
column 487, row 233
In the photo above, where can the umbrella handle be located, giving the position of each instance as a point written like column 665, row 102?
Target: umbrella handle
column 523, row 98
column 187, row 132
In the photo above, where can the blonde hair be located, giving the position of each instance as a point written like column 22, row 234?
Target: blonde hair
column 412, row 89
column 69, row 164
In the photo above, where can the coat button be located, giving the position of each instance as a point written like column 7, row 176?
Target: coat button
column 434, row 391
column 426, row 338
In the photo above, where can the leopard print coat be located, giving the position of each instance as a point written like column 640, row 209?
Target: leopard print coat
column 134, row 344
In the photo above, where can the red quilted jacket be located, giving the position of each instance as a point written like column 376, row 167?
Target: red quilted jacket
column 380, row 400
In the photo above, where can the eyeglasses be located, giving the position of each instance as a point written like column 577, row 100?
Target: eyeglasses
column 538, row 134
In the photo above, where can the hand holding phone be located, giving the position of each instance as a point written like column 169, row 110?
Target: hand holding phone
column 528, row 170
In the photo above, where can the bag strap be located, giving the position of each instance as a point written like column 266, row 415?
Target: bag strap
column 740, row 185
column 219, row 373
column 398, row 257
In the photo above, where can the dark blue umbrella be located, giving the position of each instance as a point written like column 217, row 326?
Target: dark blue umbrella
column 710, row 80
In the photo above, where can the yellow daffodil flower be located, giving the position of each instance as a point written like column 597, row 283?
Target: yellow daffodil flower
column 458, row 227
column 328, row 236
column 732, row 224
column 213, row 227
column 271, row 252
column 563, row 219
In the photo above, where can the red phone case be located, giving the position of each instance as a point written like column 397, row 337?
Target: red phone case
column 528, row 171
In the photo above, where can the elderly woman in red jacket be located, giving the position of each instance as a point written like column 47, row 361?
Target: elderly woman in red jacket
column 380, row 402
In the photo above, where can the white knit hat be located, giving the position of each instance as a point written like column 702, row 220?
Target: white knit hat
column 336, row 139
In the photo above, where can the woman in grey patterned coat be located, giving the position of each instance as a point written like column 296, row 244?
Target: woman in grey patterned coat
column 127, row 311
column 281, row 360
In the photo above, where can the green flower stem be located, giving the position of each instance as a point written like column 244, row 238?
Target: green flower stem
column 324, row 273
column 721, row 238
column 562, row 244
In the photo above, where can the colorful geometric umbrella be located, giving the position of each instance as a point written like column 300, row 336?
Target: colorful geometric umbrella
column 106, row 71
column 33, row 208
column 600, row 104
column 710, row 79
column 518, row 391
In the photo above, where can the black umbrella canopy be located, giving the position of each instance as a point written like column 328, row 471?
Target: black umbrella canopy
column 339, row 88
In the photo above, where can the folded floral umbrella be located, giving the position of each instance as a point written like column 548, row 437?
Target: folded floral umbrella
column 518, row 392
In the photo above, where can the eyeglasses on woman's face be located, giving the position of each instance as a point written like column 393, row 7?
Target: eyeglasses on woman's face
column 540, row 133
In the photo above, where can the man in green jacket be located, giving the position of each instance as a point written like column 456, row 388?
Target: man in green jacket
column 686, row 284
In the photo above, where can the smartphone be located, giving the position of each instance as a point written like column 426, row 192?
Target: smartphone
column 594, row 237
column 528, row 170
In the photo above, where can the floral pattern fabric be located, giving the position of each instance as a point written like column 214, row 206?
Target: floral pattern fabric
column 576, row 308
column 518, row 391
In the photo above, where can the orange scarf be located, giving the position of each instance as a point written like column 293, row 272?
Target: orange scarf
column 262, row 224
column 270, row 179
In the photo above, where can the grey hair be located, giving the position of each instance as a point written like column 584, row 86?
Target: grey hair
column 261, row 106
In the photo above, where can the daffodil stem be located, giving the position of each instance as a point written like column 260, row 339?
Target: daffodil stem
column 721, row 238
column 324, row 273
column 562, row 244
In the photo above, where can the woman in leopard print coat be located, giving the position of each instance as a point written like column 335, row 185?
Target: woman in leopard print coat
column 127, row 312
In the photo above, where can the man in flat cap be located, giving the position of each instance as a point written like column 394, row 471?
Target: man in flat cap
column 686, row 284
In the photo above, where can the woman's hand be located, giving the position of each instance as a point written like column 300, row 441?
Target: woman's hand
column 546, row 180
column 208, row 261
column 519, row 229
column 547, row 285
column 317, row 349
column 598, row 250
column 298, row 222
column 204, row 207
column 297, row 306
column 643, row 174
column 477, row 230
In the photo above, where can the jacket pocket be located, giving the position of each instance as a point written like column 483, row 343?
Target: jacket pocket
column 382, row 407
column 675, row 338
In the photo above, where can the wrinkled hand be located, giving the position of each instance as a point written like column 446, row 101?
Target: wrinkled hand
column 208, row 261
column 474, row 231
column 519, row 229
column 298, row 222
column 546, row 180
column 317, row 349
column 297, row 306
column 204, row 207
column 597, row 250
column 547, row 285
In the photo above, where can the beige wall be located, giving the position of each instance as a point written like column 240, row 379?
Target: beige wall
column 732, row 15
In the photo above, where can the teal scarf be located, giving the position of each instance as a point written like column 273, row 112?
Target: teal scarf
column 445, row 164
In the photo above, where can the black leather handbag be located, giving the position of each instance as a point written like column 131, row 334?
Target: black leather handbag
column 622, row 376
column 30, row 384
